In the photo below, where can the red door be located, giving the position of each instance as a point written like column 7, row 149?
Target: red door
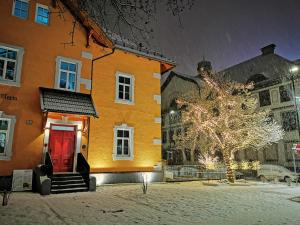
column 61, row 148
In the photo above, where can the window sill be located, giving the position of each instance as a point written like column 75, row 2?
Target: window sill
column 124, row 102
column 118, row 158
column 5, row 158
column 10, row 83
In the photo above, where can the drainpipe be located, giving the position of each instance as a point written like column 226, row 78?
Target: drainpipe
column 92, row 72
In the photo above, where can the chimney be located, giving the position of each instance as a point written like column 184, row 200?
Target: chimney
column 269, row 49
column 204, row 66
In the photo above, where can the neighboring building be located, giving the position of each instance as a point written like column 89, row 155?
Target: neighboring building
column 272, row 75
column 175, row 86
column 68, row 89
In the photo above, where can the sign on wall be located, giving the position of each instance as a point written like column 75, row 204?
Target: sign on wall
column 22, row 180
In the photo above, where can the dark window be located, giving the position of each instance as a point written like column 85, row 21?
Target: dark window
column 289, row 120
column 164, row 137
column 21, row 9
column 285, row 93
column 264, row 98
column 171, row 134
column 124, row 88
column 256, row 78
column 123, row 142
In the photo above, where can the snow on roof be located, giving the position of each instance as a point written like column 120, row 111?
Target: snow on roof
column 272, row 66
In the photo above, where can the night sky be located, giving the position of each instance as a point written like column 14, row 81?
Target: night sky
column 227, row 32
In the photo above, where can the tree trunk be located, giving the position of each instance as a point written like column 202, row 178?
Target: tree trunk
column 227, row 159
column 184, row 161
column 5, row 199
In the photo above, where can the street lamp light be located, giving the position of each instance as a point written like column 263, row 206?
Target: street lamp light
column 293, row 71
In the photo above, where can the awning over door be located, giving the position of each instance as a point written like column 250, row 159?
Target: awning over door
column 60, row 101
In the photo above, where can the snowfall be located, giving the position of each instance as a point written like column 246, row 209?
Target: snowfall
column 165, row 203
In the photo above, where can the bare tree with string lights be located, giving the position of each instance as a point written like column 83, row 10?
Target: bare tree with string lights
column 225, row 118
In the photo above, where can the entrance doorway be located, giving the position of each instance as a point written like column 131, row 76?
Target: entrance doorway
column 62, row 147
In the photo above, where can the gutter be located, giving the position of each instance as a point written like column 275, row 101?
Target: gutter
column 89, row 119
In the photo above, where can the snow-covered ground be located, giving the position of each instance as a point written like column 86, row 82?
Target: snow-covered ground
column 172, row 203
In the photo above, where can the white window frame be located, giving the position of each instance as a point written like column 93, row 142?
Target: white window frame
column 13, row 9
column 38, row 5
column 10, row 135
column 78, row 63
column 131, row 88
column 130, row 139
column 18, row 68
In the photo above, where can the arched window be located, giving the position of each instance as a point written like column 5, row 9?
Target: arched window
column 256, row 78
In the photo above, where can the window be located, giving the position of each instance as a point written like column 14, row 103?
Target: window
column 124, row 88
column 123, row 143
column 264, row 98
column 67, row 74
column 285, row 93
column 42, row 14
column 289, row 120
column 6, row 135
column 10, row 64
column 164, row 137
column 20, row 8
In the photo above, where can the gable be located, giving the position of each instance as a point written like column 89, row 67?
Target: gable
column 177, row 87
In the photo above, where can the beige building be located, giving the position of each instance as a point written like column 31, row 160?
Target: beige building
column 272, row 75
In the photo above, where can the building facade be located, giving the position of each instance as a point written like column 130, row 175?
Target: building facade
column 274, row 77
column 68, row 88
column 176, row 86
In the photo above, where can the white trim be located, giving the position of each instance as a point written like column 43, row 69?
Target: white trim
column 157, row 120
column 9, row 138
column 38, row 5
column 18, row 68
column 157, row 141
column 87, row 55
column 78, row 72
column 131, row 144
column 87, row 83
column 13, row 9
column 157, row 98
column 131, row 88
column 157, row 75
column 66, row 128
column 65, row 122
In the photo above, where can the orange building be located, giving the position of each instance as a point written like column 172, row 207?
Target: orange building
column 71, row 96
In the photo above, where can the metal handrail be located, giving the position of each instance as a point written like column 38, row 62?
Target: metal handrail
column 48, row 165
column 83, row 168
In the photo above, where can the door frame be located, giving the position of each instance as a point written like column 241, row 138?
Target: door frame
column 65, row 128
column 77, row 126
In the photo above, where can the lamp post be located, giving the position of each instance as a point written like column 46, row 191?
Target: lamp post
column 294, row 70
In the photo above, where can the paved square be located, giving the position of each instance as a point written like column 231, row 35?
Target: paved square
column 171, row 203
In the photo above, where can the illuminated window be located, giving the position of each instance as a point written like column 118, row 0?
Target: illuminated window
column 10, row 64
column 20, row 8
column 124, row 88
column 42, row 14
column 123, row 143
column 67, row 74
column 6, row 135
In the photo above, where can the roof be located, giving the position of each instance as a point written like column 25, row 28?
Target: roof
column 272, row 66
column 130, row 46
column 108, row 38
column 186, row 77
column 60, row 101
